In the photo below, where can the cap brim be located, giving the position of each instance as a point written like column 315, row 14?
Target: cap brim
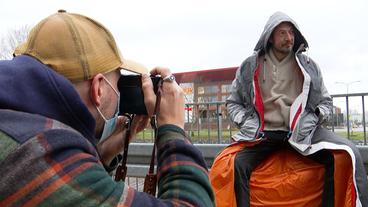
column 134, row 67
column 20, row 49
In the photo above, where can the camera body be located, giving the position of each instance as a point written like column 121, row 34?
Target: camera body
column 131, row 94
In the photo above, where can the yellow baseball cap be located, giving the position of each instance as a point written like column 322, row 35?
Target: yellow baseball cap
column 76, row 47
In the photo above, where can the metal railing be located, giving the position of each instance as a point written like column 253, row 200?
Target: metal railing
column 348, row 121
column 209, row 122
column 205, row 119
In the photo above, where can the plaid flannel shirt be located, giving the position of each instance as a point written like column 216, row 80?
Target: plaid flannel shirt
column 46, row 163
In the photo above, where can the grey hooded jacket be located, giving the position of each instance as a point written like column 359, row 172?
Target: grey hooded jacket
column 309, row 109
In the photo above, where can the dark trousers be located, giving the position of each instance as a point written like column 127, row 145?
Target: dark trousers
column 250, row 157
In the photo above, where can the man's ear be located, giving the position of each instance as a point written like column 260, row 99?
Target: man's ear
column 96, row 89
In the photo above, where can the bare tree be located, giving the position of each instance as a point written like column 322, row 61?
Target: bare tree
column 11, row 40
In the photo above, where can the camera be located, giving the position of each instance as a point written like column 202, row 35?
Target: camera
column 131, row 94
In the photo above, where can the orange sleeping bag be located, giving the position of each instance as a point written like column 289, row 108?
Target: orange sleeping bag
column 286, row 178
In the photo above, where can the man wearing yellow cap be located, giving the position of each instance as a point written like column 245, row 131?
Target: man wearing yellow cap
column 59, row 107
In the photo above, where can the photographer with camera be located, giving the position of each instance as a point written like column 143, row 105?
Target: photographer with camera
column 60, row 129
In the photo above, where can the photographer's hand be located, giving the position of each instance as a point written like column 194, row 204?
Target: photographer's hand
column 140, row 122
column 172, row 99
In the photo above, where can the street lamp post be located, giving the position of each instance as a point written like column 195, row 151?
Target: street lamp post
column 347, row 103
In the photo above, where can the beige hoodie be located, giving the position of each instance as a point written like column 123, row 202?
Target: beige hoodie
column 280, row 83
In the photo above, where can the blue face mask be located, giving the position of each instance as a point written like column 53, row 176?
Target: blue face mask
column 110, row 124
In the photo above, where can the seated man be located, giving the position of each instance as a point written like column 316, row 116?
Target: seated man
column 59, row 99
column 278, row 100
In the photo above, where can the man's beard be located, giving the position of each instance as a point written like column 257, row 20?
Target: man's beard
column 285, row 49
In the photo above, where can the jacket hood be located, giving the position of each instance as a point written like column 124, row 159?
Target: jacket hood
column 276, row 19
column 30, row 86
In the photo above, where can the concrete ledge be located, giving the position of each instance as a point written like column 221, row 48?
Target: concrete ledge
column 137, row 170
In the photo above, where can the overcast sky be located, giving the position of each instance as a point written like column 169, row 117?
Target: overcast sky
column 195, row 35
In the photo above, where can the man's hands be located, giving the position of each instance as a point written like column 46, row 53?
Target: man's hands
column 172, row 99
column 171, row 112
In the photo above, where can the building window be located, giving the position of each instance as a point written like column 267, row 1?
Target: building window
column 226, row 88
column 201, row 90
column 208, row 89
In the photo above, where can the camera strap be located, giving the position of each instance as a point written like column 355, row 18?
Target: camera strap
column 150, row 181
column 121, row 170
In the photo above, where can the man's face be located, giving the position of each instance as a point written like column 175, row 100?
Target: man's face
column 282, row 38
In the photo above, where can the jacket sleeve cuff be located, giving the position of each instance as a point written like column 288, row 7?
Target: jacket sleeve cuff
column 321, row 114
column 170, row 132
